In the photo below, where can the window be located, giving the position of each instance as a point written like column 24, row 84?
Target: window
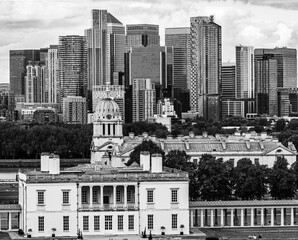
column 174, row 221
column 40, row 224
column 195, row 161
column 40, row 197
column 94, row 196
column 150, row 221
column 65, row 223
column 150, row 196
column 86, row 223
column 108, row 222
column 120, row 222
column 84, row 196
column 174, row 194
column 118, row 196
column 257, row 161
column 65, row 197
column 129, row 199
column 96, row 223
column 131, row 222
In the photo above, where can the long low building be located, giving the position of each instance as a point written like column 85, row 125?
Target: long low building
column 97, row 199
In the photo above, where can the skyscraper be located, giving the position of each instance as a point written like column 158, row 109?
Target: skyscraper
column 155, row 63
column 228, row 79
column 286, row 64
column 143, row 98
column 205, row 57
column 266, row 86
column 179, row 39
column 105, row 54
column 53, row 83
column 245, row 80
column 72, row 53
column 18, row 62
column 35, row 82
column 142, row 35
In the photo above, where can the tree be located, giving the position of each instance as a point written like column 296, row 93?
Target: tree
column 249, row 180
column 213, row 181
column 282, row 180
column 280, row 125
column 149, row 146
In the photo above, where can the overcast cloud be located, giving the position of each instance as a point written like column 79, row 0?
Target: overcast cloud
column 35, row 24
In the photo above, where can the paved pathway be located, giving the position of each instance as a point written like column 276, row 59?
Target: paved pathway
column 4, row 236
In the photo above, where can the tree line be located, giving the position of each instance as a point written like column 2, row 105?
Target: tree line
column 214, row 179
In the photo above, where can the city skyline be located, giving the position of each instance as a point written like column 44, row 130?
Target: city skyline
column 243, row 22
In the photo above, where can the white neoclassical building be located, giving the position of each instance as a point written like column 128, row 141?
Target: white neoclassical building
column 98, row 199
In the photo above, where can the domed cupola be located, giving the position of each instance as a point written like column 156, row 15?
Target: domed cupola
column 107, row 108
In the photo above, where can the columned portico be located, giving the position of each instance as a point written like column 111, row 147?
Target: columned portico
column 244, row 213
column 108, row 196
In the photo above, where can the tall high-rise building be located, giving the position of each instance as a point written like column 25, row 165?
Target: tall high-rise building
column 155, row 63
column 245, row 80
column 228, row 80
column 74, row 110
column 286, row 64
column 266, row 86
column 179, row 39
column 105, row 51
column 143, row 99
column 205, row 62
column 35, row 82
column 18, row 61
column 53, row 83
column 72, row 53
column 142, row 35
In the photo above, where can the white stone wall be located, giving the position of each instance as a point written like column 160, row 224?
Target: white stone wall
column 162, row 208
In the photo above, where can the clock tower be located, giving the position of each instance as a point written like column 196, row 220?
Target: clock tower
column 107, row 130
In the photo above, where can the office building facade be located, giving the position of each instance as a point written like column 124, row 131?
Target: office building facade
column 143, row 99
column 179, row 39
column 142, row 35
column 72, row 53
column 18, row 60
column 206, row 59
column 74, row 110
column 286, row 64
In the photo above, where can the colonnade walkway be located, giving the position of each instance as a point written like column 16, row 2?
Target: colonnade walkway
column 264, row 213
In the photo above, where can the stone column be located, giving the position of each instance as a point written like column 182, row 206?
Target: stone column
column 292, row 216
column 211, row 218
column 262, row 217
column 9, row 221
column 125, row 196
column 202, row 217
column 221, row 217
column 242, row 218
column 136, row 196
column 252, row 218
column 282, row 216
column 101, row 196
column 232, row 217
column 272, row 216
column 114, row 196
column 80, row 196
column 91, row 197
column 191, row 218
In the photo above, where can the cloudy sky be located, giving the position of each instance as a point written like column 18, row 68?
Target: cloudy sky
column 33, row 24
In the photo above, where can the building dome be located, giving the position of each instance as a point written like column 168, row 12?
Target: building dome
column 106, row 108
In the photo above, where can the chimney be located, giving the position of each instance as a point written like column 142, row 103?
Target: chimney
column 263, row 135
column 44, row 161
column 224, row 145
column 131, row 135
column 205, row 134
column 247, row 144
column 247, row 135
column 54, row 164
column 180, row 137
column 145, row 160
column 191, row 134
column 145, row 134
column 156, row 162
column 169, row 137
